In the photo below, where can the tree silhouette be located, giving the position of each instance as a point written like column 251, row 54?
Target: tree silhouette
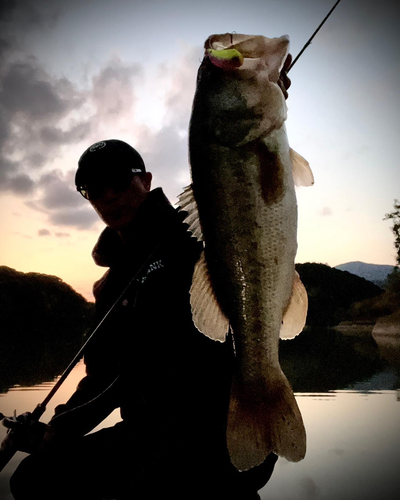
column 395, row 217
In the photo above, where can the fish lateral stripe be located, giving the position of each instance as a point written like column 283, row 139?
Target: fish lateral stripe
column 271, row 174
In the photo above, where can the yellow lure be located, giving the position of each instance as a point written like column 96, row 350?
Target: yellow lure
column 229, row 57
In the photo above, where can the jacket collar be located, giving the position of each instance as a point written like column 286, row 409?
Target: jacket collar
column 150, row 222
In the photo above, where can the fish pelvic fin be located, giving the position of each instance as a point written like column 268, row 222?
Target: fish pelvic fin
column 261, row 424
column 206, row 312
column 302, row 173
column 295, row 316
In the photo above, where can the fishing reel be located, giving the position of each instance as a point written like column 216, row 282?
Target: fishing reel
column 16, row 422
column 25, row 431
column 9, row 422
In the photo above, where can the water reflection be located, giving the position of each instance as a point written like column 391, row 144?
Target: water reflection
column 35, row 359
column 353, row 449
column 325, row 360
column 318, row 360
column 346, row 387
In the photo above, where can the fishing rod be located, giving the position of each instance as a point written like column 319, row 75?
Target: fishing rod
column 313, row 35
column 8, row 448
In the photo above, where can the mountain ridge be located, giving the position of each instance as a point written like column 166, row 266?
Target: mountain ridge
column 376, row 273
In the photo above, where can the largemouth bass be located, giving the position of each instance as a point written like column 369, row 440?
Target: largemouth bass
column 242, row 204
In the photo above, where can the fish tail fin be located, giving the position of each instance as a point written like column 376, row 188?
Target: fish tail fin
column 261, row 424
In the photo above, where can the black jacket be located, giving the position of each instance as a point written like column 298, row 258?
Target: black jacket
column 172, row 383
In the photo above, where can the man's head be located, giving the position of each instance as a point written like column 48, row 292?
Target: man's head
column 112, row 176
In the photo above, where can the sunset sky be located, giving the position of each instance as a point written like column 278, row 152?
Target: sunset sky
column 78, row 71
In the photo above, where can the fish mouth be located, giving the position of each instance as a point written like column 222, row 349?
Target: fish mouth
column 246, row 55
column 225, row 58
column 232, row 51
column 249, row 46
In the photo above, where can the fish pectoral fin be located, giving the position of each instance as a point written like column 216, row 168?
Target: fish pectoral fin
column 262, row 422
column 302, row 173
column 206, row 312
column 294, row 319
column 187, row 203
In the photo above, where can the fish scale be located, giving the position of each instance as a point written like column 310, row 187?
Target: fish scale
column 242, row 204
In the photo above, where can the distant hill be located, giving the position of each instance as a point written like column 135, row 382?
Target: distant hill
column 43, row 324
column 39, row 302
column 331, row 293
column 372, row 272
column 44, row 319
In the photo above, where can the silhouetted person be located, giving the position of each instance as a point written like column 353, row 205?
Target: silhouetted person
column 171, row 383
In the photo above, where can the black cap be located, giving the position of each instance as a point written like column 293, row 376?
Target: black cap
column 105, row 156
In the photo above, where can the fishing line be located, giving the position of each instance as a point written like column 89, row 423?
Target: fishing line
column 313, row 35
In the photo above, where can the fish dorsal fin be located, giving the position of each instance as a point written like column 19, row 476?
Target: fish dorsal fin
column 206, row 312
column 295, row 316
column 302, row 173
column 187, row 203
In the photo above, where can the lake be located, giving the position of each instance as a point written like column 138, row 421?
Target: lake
column 347, row 388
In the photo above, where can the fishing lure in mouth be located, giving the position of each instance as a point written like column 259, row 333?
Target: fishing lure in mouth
column 226, row 58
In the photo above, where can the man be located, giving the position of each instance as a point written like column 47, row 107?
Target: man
column 171, row 383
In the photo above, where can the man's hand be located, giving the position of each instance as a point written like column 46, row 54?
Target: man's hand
column 27, row 434
column 284, row 81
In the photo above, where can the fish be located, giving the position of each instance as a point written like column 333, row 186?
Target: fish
column 242, row 205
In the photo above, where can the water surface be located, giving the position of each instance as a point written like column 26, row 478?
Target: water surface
column 353, row 449
column 347, row 390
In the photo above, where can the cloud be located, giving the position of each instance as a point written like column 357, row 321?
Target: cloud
column 28, row 237
column 337, row 451
column 166, row 151
column 80, row 218
column 42, row 115
column 325, row 212
column 20, row 184
column 112, row 90
column 44, row 232
column 35, row 108
column 167, row 156
column 34, row 105
column 20, row 16
column 27, row 89
column 309, row 487
column 182, row 86
column 112, row 100
column 58, row 192
column 63, row 205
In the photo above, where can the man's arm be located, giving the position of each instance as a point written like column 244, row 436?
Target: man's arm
column 88, row 406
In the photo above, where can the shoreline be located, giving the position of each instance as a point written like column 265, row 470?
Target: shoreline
column 387, row 327
column 384, row 327
column 354, row 328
